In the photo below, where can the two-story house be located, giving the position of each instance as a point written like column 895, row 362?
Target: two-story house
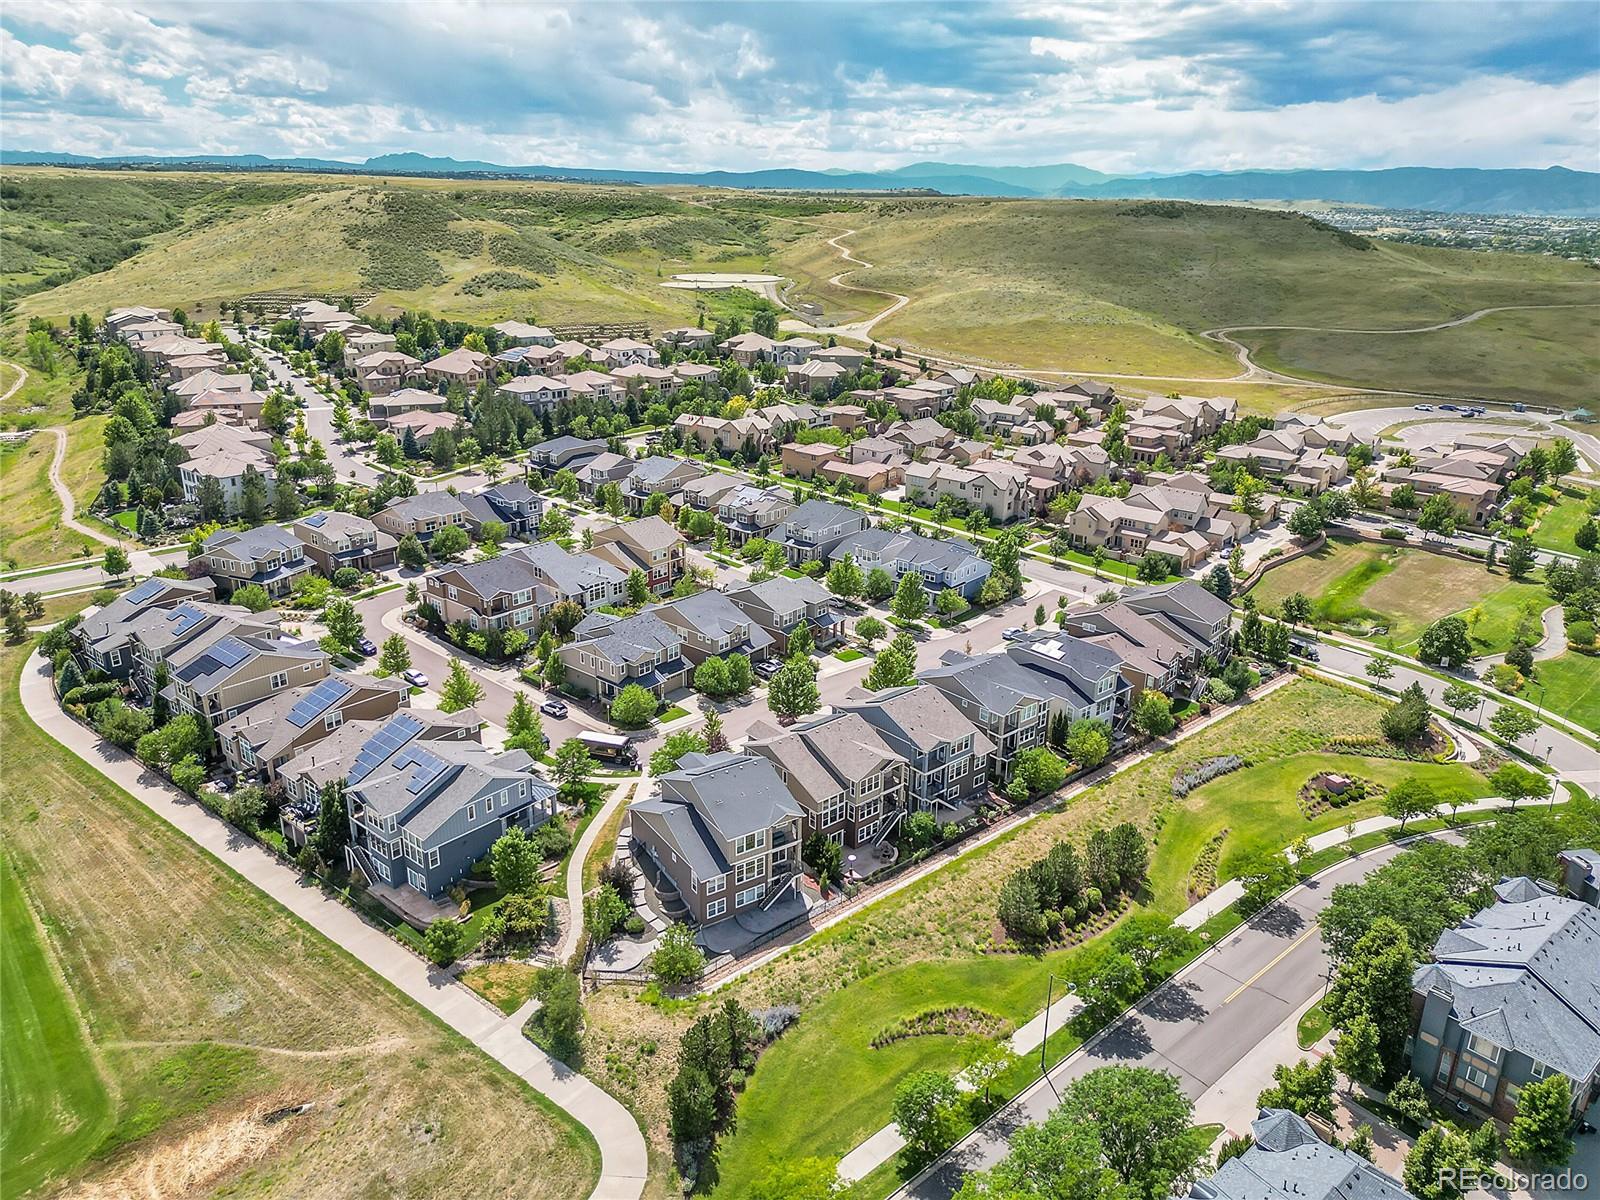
column 423, row 515
column 385, row 371
column 1000, row 697
column 151, row 637
column 811, row 531
column 658, row 475
column 334, row 539
column 713, row 626
column 607, row 654
column 469, row 368
column 536, row 391
column 722, row 838
column 649, row 545
column 504, row 592
column 781, row 605
column 1153, row 658
column 513, row 503
column 950, row 564
column 225, row 453
column 268, row 556
column 751, row 512
column 266, row 735
column 220, row 678
column 422, row 814
column 947, row 757
column 103, row 638
column 1189, row 611
column 850, row 784
column 1512, row 996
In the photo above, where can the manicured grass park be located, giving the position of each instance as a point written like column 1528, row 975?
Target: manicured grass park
column 1561, row 521
column 1571, row 687
column 1392, row 593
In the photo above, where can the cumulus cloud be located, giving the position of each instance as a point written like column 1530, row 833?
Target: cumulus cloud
column 1165, row 85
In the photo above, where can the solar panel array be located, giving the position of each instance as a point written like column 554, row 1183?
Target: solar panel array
column 148, row 590
column 426, row 768
column 184, row 618
column 318, row 701
column 315, row 520
column 230, row 651
column 396, row 733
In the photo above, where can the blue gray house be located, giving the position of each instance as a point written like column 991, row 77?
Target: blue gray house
column 812, row 531
column 1512, row 996
column 946, row 564
column 421, row 815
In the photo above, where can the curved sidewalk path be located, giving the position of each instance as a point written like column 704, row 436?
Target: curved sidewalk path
column 624, row 1160
column 619, row 798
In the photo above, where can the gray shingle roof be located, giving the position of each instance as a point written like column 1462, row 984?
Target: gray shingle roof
column 625, row 639
column 1525, row 975
column 715, row 616
column 921, row 714
column 917, row 552
column 252, row 544
column 1289, row 1162
column 734, row 794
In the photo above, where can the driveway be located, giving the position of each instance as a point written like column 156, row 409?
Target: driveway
column 624, row 1160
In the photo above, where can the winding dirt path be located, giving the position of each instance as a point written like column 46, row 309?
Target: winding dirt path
column 862, row 328
column 22, row 378
column 69, row 506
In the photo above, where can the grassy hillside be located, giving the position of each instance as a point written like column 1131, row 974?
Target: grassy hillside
column 155, row 1006
column 1130, row 286
column 1116, row 287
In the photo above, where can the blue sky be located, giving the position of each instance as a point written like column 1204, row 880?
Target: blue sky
column 1148, row 86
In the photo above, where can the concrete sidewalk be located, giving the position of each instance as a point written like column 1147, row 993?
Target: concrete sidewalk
column 624, row 1159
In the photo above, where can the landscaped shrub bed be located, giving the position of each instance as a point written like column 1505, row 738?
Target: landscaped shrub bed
column 1203, row 878
column 952, row 1020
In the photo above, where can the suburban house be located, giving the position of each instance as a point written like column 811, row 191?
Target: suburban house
column 1180, row 517
column 1287, row 1160
column 150, row 637
column 565, row 451
column 803, row 461
column 847, row 357
column 103, row 637
column 919, row 436
column 815, row 377
column 504, row 592
column 947, row 757
column 385, row 371
column 265, row 736
column 1153, row 658
column 383, row 409
column 868, row 477
column 329, row 759
column 268, row 556
column 602, row 469
column 704, row 374
column 812, row 530
column 586, row 579
column 690, row 337
column 706, row 493
column 232, row 406
column 1189, row 611
column 225, row 453
column 722, row 838
column 535, row 358
column 1512, row 996
column 592, row 385
column 948, row 563
column 849, row 417
column 335, row 539
column 1092, row 393
column 637, row 377
column 1077, row 677
column 1580, row 874
column 999, row 490
column 626, row 352
column 220, row 677
column 748, row 349
column 607, row 654
column 422, row 814
column 1150, row 437
column 423, row 514
column 513, row 503
column 713, row 626
column 649, row 545
column 1069, row 465
column 421, row 426
column 1197, row 416
column 520, row 333
column 752, row 512
column 1298, row 457
column 1476, row 500
column 658, row 475
column 469, row 368
column 998, row 696
column 913, row 403
column 749, row 435
column 210, row 381
column 850, row 784
column 536, row 391
column 780, row 605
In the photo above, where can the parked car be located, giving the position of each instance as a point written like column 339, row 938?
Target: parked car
column 365, row 647
column 1014, row 633
column 1519, row 407
column 768, row 667
column 414, row 677
column 1306, row 650
column 554, row 708
column 1450, row 408
column 1423, row 407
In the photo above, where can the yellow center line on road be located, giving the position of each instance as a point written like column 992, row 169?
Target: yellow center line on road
column 1248, row 983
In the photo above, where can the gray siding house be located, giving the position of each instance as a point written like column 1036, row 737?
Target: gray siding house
column 421, row 815
column 812, row 531
column 780, row 605
column 104, row 638
column 607, row 654
column 1290, row 1162
column 1512, row 996
column 942, row 564
column 947, row 756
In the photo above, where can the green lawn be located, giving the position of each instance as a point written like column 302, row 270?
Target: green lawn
column 55, row 1106
column 1258, row 808
column 1313, row 1027
column 1572, row 687
column 848, row 654
column 1391, row 593
column 1560, row 522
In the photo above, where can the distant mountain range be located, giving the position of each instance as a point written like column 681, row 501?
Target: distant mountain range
column 1555, row 191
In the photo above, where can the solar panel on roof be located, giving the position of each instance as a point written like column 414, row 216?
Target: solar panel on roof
column 316, row 520
column 147, row 590
column 428, row 767
column 318, row 701
column 396, row 733
column 230, row 651
column 184, row 618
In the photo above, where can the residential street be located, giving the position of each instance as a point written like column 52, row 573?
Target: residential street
column 624, row 1159
column 1203, row 1023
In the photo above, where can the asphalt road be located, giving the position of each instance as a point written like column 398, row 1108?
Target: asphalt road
column 1198, row 1026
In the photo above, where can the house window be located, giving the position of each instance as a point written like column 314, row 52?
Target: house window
column 749, row 895
column 868, row 832
column 1483, row 1049
column 433, row 858
column 488, row 805
column 334, row 719
column 417, row 879
column 1476, row 1076
column 472, row 812
column 1538, row 1070
column 715, row 909
column 713, row 886
column 754, row 868
column 280, row 679
column 750, row 841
